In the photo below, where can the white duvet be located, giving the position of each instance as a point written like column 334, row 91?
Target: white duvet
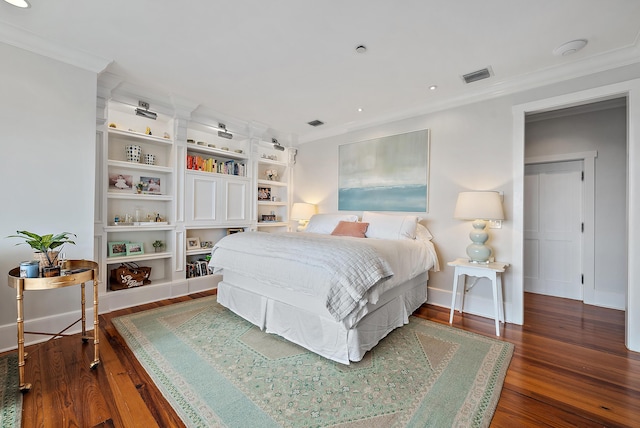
column 328, row 267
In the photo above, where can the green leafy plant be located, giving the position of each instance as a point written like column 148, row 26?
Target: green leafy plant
column 45, row 243
column 158, row 244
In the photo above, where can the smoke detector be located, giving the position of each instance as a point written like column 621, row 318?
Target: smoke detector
column 570, row 47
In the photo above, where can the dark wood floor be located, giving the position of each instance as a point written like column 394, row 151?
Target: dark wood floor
column 570, row 369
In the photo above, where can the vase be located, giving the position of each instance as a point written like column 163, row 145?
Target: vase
column 133, row 152
column 42, row 258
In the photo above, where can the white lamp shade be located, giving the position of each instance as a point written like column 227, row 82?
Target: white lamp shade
column 302, row 211
column 479, row 206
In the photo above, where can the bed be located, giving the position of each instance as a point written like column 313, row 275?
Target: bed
column 325, row 289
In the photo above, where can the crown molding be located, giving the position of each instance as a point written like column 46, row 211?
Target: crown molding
column 20, row 38
column 584, row 67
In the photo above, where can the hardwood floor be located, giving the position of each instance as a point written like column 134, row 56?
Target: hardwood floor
column 570, row 369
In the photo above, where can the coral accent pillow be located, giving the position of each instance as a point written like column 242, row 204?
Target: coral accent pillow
column 350, row 228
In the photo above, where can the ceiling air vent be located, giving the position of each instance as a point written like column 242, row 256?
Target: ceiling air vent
column 316, row 122
column 474, row 76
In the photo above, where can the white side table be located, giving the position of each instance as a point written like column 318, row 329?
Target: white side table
column 492, row 271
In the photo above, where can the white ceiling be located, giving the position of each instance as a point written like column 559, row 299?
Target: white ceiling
column 283, row 63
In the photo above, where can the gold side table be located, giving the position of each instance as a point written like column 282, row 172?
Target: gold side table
column 81, row 271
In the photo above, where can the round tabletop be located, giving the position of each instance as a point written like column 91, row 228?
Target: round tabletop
column 80, row 271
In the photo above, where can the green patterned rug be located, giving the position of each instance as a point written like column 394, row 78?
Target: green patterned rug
column 216, row 369
column 10, row 395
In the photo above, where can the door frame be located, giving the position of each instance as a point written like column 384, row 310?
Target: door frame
column 588, row 213
column 631, row 90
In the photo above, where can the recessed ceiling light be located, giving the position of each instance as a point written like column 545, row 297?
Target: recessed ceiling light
column 570, row 47
column 359, row 109
column 361, row 49
column 433, row 87
column 18, row 3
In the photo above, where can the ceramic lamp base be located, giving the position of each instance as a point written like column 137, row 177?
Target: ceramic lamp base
column 477, row 251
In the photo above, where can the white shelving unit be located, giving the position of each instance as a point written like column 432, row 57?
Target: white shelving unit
column 130, row 216
column 273, row 195
column 195, row 200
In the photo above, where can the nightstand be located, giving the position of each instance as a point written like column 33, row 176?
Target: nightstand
column 492, row 271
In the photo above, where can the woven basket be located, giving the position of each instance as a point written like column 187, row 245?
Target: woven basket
column 42, row 258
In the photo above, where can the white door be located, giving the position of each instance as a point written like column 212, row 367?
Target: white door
column 553, row 229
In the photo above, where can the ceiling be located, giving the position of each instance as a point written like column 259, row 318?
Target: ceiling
column 283, row 63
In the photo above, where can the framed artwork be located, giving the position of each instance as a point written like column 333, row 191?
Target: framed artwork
column 135, row 248
column 385, row 174
column 193, row 243
column 117, row 248
column 120, row 182
column 151, row 185
column 206, row 244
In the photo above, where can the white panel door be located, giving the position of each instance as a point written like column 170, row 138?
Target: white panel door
column 201, row 199
column 236, row 203
column 553, row 229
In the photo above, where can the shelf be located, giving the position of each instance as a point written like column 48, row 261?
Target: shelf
column 139, row 166
column 272, row 204
column 271, row 183
column 133, row 228
column 138, row 136
column 154, row 283
column 272, row 223
column 198, row 252
column 208, row 174
column 139, row 196
column 229, row 154
column 272, row 162
column 148, row 256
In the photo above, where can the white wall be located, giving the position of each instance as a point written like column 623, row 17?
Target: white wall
column 47, row 140
column 604, row 131
column 470, row 150
column 472, row 147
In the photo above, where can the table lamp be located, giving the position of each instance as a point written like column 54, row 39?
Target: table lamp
column 302, row 212
column 479, row 207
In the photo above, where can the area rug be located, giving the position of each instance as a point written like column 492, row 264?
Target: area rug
column 217, row 369
column 10, row 395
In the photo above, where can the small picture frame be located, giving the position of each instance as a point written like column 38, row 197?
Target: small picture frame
column 151, row 185
column 264, row 193
column 117, row 248
column 135, row 248
column 268, row 217
column 206, row 244
column 193, row 243
column 120, row 181
column 233, row 230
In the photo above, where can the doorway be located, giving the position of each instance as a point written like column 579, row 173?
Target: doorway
column 553, row 224
column 630, row 90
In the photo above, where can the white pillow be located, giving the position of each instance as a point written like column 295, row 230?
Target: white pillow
column 389, row 226
column 326, row 223
column 422, row 233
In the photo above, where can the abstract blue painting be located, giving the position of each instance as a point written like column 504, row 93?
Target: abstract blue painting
column 385, row 174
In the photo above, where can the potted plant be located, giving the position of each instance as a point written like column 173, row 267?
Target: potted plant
column 157, row 245
column 46, row 247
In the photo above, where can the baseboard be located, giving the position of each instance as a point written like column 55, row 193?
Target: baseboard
column 108, row 302
column 474, row 305
column 48, row 324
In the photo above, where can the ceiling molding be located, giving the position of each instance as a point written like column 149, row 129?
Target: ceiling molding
column 588, row 66
column 20, row 38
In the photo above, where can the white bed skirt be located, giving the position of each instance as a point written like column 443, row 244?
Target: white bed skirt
column 304, row 320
